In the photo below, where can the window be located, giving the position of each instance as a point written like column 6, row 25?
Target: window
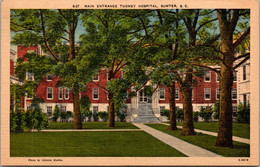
column 234, row 76
column 244, row 99
column 95, row 109
column 28, row 95
column 96, row 78
column 176, row 93
column 217, row 77
column 63, row 108
column 49, row 111
column 234, row 93
column 31, row 51
column 67, row 93
column 107, row 109
column 60, row 93
column 192, row 94
column 49, row 93
column 207, row 76
column 161, row 110
column 162, row 93
column 29, row 76
column 49, row 77
column 244, row 72
column 29, row 107
column 207, row 93
column 217, row 94
column 234, row 108
column 95, row 93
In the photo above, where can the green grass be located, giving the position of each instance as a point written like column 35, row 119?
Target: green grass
column 239, row 129
column 89, row 144
column 208, row 142
column 92, row 125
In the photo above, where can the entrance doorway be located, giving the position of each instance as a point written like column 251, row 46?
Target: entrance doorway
column 144, row 98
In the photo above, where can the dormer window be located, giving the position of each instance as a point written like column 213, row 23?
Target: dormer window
column 49, row 77
column 96, row 78
column 29, row 76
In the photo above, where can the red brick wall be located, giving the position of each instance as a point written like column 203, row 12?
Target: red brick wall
column 198, row 91
column 11, row 68
column 21, row 51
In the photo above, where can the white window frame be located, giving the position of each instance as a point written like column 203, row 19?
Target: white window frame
column 217, row 78
column 177, row 92
column 28, row 97
column 96, row 80
column 51, row 93
column 60, row 91
column 205, row 93
column 235, row 76
column 217, row 92
column 67, row 91
column 93, row 93
column 47, row 77
column 232, row 93
column 62, row 108
column 27, row 76
column 48, row 108
column 244, row 73
column 162, row 89
column 31, row 51
column 206, row 75
column 96, row 108
column 192, row 94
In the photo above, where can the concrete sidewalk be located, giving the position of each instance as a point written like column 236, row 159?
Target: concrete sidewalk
column 235, row 138
column 86, row 130
column 180, row 145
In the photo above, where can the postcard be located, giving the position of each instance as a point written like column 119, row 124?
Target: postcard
column 130, row 83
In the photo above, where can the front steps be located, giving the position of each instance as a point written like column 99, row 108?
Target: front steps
column 145, row 114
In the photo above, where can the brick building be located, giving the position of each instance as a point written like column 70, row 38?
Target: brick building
column 205, row 93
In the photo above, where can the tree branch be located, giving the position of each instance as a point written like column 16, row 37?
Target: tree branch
column 98, row 85
column 241, row 56
column 241, row 38
column 245, row 59
column 44, row 37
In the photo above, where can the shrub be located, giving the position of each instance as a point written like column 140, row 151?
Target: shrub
column 216, row 110
column 206, row 113
column 196, row 116
column 41, row 119
column 243, row 115
column 20, row 121
column 69, row 114
column 30, row 120
column 13, row 120
column 95, row 116
column 103, row 115
column 179, row 114
column 89, row 115
column 166, row 113
column 63, row 116
column 56, row 113
column 121, row 116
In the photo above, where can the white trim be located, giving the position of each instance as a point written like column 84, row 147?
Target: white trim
column 93, row 93
column 232, row 93
column 60, row 89
column 51, row 92
column 217, row 91
column 209, row 76
column 67, row 89
column 49, row 79
column 217, row 78
column 177, row 90
column 97, row 80
column 161, row 88
column 205, row 94
column 93, row 109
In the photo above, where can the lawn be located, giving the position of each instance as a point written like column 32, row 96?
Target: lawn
column 208, row 142
column 89, row 144
column 239, row 129
column 92, row 125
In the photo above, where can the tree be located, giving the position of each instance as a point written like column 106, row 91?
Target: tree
column 54, row 31
column 228, row 20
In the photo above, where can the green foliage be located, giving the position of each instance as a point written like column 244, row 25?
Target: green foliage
column 196, row 116
column 85, row 108
column 95, row 116
column 166, row 113
column 26, row 121
column 216, row 110
column 103, row 115
column 56, row 113
column 206, row 113
column 63, row 116
column 179, row 114
column 243, row 115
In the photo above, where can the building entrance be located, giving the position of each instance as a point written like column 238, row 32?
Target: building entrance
column 144, row 98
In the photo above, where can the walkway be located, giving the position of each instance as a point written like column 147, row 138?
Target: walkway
column 235, row 138
column 87, row 130
column 180, row 145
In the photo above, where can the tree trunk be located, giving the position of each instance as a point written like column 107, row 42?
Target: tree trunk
column 172, row 126
column 111, row 115
column 76, row 107
column 188, row 127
